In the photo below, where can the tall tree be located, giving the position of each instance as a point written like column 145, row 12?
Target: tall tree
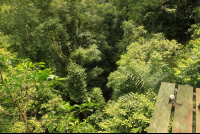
column 62, row 32
column 173, row 18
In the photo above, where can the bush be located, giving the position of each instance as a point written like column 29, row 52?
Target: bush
column 130, row 113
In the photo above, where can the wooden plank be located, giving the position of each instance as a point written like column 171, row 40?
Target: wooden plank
column 197, row 110
column 161, row 115
column 183, row 113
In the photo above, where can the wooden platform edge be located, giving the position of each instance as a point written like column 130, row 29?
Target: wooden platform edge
column 161, row 115
column 197, row 110
column 183, row 116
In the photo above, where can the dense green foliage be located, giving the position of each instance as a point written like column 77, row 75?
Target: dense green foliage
column 131, row 113
column 146, row 62
column 72, row 66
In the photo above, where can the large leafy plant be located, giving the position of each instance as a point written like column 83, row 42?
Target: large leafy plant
column 147, row 62
column 28, row 102
column 22, row 87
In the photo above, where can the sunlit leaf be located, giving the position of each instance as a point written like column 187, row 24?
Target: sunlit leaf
column 41, row 63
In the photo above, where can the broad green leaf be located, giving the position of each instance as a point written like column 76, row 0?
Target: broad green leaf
column 48, row 114
column 50, row 129
column 42, row 76
column 61, row 108
column 74, row 106
column 7, row 100
column 41, row 65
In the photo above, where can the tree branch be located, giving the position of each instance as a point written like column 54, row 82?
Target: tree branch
column 57, row 47
column 10, row 114
column 24, row 116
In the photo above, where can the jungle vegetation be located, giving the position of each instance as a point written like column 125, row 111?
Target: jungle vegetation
column 79, row 66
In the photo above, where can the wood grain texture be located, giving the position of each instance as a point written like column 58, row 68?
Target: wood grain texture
column 197, row 110
column 183, row 113
column 161, row 116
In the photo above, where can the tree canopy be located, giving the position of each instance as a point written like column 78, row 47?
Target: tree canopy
column 92, row 65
